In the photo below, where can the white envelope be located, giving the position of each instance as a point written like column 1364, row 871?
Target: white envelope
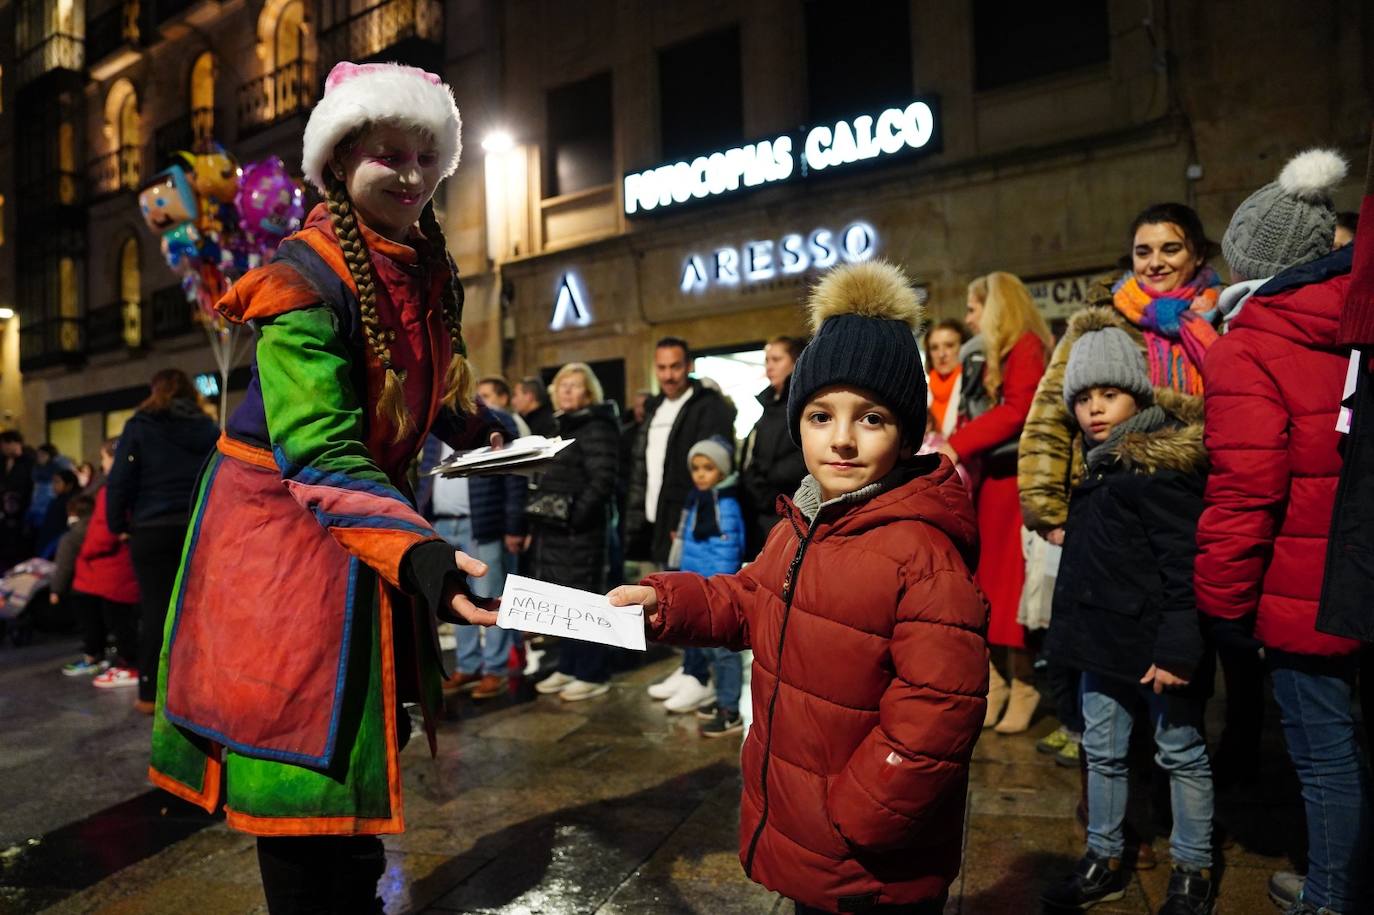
column 530, row 605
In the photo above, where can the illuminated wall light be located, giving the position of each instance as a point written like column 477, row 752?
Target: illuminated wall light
column 498, row 141
column 6, row 313
column 570, row 304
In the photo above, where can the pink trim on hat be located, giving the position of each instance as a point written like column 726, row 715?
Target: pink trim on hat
column 345, row 70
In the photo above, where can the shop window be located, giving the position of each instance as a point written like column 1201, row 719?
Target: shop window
column 580, row 153
column 1013, row 43
column 115, row 420
column 857, row 61
column 66, row 435
column 701, row 99
column 131, row 292
column 741, row 377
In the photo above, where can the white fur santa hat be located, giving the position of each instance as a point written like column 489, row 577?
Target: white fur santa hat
column 358, row 94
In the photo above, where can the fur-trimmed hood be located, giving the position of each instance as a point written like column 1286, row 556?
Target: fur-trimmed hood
column 1178, row 446
column 1099, row 317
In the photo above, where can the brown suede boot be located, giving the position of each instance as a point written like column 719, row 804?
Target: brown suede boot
column 1020, row 707
column 997, row 696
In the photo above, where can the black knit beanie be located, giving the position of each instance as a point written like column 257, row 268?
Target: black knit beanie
column 865, row 317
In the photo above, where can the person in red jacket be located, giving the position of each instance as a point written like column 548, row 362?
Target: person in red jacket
column 870, row 662
column 1273, row 389
column 105, row 575
column 997, row 394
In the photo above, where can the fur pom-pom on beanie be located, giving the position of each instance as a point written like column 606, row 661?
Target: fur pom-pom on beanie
column 1287, row 222
column 865, row 317
column 358, row 94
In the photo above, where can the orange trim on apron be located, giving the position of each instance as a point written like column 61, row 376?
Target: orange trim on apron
column 249, row 454
column 207, row 799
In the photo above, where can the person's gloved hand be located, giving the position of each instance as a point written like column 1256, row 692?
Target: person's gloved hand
column 459, row 606
column 1236, row 636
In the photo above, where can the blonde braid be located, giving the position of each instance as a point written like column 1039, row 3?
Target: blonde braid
column 391, row 405
column 458, row 382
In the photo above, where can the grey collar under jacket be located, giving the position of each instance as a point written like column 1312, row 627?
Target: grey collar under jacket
column 810, row 502
column 1147, row 420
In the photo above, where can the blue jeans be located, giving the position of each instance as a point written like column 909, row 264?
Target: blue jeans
column 1182, row 753
column 1314, row 698
column 696, row 662
column 481, row 648
column 728, row 672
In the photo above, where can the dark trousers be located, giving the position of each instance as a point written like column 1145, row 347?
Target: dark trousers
column 929, row 907
column 321, row 875
column 1238, row 751
column 587, row 661
column 156, row 552
column 99, row 618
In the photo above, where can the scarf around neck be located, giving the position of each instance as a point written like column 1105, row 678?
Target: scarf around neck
column 1177, row 326
column 706, row 504
column 1147, row 420
column 942, row 388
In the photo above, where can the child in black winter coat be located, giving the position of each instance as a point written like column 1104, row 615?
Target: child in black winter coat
column 1125, row 615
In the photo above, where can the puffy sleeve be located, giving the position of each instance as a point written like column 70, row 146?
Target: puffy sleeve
column 1021, row 371
column 317, row 428
column 1045, row 456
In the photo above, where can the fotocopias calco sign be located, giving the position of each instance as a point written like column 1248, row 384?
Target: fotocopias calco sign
column 868, row 137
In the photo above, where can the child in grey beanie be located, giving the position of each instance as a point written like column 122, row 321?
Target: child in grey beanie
column 1287, row 222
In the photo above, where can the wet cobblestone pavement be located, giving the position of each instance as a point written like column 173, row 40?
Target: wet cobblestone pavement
column 534, row 806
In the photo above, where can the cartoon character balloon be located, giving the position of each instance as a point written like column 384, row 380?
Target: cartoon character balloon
column 214, row 174
column 169, row 208
column 271, row 205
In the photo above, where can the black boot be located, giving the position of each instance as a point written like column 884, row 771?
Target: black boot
column 1191, row 892
column 1094, row 879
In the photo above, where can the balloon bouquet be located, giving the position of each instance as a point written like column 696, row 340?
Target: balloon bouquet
column 216, row 221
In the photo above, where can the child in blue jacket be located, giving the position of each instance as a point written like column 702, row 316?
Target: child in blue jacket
column 711, row 539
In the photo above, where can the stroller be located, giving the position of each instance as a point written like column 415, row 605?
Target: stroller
column 19, row 587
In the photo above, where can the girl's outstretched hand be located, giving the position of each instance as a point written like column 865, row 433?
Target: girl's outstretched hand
column 628, row 595
column 478, row 610
column 1162, row 679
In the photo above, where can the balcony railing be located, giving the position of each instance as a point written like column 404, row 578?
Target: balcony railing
column 121, row 170
column 172, row 314
column 53, row 189
column 105, row 328
column 276, row 96
column 58, row 51
column 126, row 24
column 381, row 26
column 50, row 342
column 190, row 132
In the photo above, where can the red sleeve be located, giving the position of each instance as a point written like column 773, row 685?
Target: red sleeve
column 916, row 759
column 1021, row 371
column 1247, row 441
column 1357, row 317
column 709, row 612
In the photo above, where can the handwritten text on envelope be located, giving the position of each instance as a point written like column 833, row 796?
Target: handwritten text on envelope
column 537, row 606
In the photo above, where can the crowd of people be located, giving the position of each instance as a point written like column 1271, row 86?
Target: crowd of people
column 914, row 542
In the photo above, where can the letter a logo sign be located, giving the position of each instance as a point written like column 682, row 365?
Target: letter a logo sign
column 569, row 305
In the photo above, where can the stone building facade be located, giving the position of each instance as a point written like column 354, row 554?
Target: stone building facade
column 1042, row 134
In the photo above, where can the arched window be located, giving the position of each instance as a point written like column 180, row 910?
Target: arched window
column 124, row 128
column 288, row 43
column 131, row 291
column 203, row 98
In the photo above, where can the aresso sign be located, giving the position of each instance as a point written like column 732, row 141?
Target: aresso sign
column 866, row 137
column 756, row 261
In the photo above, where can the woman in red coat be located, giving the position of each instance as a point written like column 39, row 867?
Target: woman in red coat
column 105, row 573
column 998, row 390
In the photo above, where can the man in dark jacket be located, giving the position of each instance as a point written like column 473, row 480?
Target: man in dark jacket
column 16, row 490
column 684, row 413
column 531, row 400
column 483, row 516
column 773, row 464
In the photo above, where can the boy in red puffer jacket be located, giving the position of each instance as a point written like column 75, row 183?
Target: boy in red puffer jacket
column 1274, row 385
column 870, row 658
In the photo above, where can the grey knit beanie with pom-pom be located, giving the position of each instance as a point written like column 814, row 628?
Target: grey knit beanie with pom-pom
column 865, row 317
column 1287, row 222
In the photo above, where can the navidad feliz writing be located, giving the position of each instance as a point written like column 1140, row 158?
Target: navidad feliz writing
column 531, row 609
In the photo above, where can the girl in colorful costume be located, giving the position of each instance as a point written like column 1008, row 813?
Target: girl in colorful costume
column 304, row 612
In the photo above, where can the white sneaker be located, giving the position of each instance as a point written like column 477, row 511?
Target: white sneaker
column 532, row 658
column 578, row 690
column 690, row 696
column 554, row 683
column 664, row 689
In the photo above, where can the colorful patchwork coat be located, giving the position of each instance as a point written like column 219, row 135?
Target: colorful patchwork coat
column 303, row 613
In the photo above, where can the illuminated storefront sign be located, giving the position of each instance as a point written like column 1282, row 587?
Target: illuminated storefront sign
column 570, row 304
column 756, row 261
column 866, row 137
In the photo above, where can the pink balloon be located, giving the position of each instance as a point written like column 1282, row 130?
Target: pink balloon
column 271, row 204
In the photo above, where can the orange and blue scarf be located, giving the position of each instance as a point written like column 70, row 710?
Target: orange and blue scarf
column 1177, row 325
